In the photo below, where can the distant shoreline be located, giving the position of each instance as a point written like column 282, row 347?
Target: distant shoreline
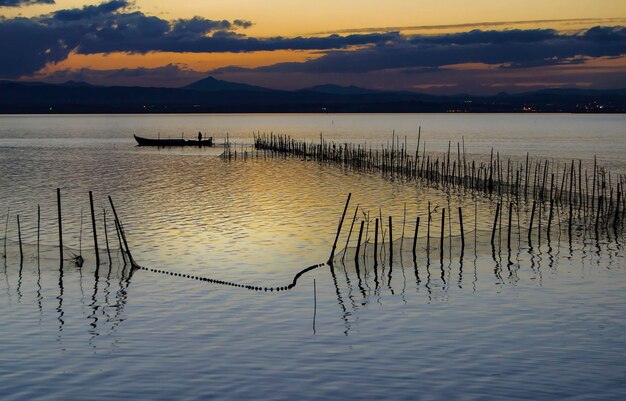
column 223, row 97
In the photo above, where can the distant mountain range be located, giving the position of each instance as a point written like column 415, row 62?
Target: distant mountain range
column 210, row 95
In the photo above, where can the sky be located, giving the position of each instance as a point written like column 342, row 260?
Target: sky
column 439, row 47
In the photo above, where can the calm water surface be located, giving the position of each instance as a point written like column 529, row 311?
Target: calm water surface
column 543, row 323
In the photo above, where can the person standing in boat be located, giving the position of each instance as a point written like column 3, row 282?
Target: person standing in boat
column 199, row 136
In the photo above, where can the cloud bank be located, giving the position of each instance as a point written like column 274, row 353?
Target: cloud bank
column 386, row 58
column 28, row 44
column 507, row 49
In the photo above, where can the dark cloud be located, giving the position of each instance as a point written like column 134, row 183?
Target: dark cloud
column 495, row 37
column 28, row 44
column 242, row 23
column 197, row 26
column 132, row 39
column 510, row 49
column 20, row 3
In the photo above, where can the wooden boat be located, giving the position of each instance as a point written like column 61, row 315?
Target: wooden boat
column 173, row 142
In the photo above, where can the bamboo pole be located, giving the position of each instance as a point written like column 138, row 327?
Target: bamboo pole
column 93, row 226
column 376, row 243
column 350, row 232
column 461, row 228
column 495, row 224
column 508, row 239
column 417, row 226
column 343, row 215
column 443, row 228
column 106, row 236
column 60, row 225
column 390, row 241
column 530, row 224
column 358, row 244
column 121, row 231
column 19, row 236
column 38, row 228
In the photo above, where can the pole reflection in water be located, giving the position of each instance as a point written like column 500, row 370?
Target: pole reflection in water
column 523, row 267
column 366, row 267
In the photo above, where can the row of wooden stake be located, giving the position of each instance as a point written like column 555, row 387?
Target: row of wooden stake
column 378, row 227
column 597, row 200
column 119, row 228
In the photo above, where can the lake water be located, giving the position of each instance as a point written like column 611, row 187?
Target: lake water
column 538, row 323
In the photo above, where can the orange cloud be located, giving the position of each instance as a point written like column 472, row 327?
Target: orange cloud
column 194, row 61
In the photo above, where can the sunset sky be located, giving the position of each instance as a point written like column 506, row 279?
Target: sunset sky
column 452, row 46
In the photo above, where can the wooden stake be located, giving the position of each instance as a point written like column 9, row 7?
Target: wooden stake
column 343, row 215
column 119, row 240
column 106, row 235
column 93, row 226
column 550, row 217
column 19, row 236
column 350, row 232
column 121, row 231
column 60, row 225
column 508, row 240
column 376, row 243
column 495, row 224
column 417, row 226
column 530, row 225
column 358, row 244
column 443, row 228
column 38, row 228
column 390, row 241
column 461, row 228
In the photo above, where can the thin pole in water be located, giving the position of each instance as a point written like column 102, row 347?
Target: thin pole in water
column 93, row 225
column 60, row 225
column 121, row 231
column 417, row 226
column 350, row 232
column 106, row 236
column 443, row 229
column 358, row 243
column 495, row 224
column 314, row 304
column 390, row 241
column 530, row 224
column 19, row 236
column 343, row 215
column 38, row 228
column 461, row 228
column 376, row 243
column 508, row 238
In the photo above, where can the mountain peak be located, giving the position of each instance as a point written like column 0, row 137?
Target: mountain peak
column 211, row 84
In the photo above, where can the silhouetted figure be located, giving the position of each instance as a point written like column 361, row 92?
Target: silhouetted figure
column 199, row 136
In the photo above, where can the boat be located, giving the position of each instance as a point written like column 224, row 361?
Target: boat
column 173, row 142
